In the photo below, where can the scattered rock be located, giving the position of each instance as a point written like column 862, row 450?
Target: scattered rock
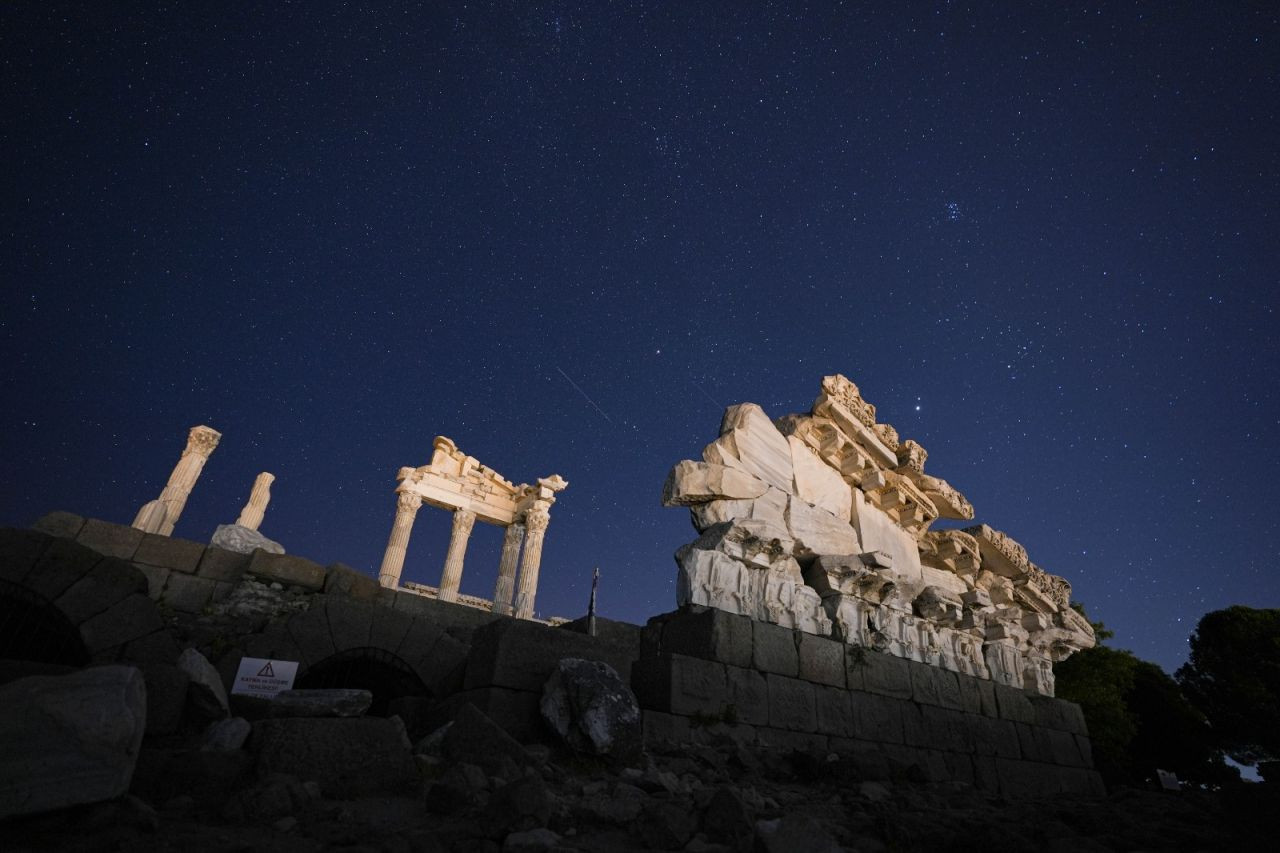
column 794, row 832
column 206, row 695
column 667, row 825
column 458, row 788
column 475, row 738
column 69, row 739
column 225, row 735
column 531, row 841
column 242, row 540
column 521, row 805
column 592, row 709
column 332, row 702
column 727, row 818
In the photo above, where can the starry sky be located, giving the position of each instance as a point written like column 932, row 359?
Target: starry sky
column 1041, row 237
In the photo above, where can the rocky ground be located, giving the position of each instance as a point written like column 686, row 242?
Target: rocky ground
column 485, row 792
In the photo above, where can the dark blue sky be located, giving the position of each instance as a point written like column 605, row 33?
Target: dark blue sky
column 1043, row 240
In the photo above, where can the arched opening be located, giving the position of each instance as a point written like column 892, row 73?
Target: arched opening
column 380, row 672
column 32, row 629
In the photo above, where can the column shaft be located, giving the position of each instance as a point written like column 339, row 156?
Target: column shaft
column 160, row 515
column 505, row 588
column 398, row 545
column 259, row 497
column 536, row 522
column 463, row 521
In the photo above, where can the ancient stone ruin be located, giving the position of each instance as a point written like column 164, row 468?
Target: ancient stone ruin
column 457, row 482
column 821, row 522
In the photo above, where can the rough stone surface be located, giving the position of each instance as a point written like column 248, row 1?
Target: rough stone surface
column 700, row 482
column 225, row 735
column 774, row 649
column 242, row 540
column 474, row 738
column 178, row 555
column 69, row 739
column 329, row 702
column 287, row 570
column 206, row 694
column 348, row 757
column 589, row 706
column 113, row 540
column 166, row 697
column 341, row 579
column 821, row 660
column 62, row 524
column 705, row 632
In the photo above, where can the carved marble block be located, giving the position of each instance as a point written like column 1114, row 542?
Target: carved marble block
column 821, row 522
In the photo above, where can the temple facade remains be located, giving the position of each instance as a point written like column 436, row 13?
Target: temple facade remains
column 473, row 492
column 821, row 522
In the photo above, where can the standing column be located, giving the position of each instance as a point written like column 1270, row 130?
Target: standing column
column 536, row 520
column 463, row 521
column 161, row 514
column 505, row 587
column 407, row 504
column 259, row 497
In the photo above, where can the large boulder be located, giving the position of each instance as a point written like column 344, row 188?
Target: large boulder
column 592, row 709
column 69, row 739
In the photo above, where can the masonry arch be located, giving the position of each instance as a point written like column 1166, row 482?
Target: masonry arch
column 384, row 674
column 32, row 629
column 63, row 592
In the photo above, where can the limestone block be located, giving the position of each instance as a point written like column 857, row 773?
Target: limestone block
column 310, row 633
column 947, row 729
column 664, row 729
column 692, row 483
column 156, row 647
column 748, row 695
column 205, row 679
column 179, row 555
column 821, row 660
column 69, row 739
column 128, row 619
column 770, row 508
column 714, row 579
column 914, row 731
column 341, row 579
column 350, row 622
column 243, row 540
column 287, row 570
column 108, row 582
column 348, row 757
column 676, row 684
column 708, row 633
column 156, row 579
column 996, row 738
column 784, row 740
column 834, row 711
column 818, row 531
column 881, row 673
column 64, row 525
column 876, row 717
column 1001, row 554
column 389, row 629
column 221, row 565
column 1058, row 714
column 977, row 696
column 773, row 649
column 818, row 484
column 188, row 593
column 1014, row 704
column 749, row 440
column 877, row 532
column 114, row 540
column 792, row 704
column 330, row 702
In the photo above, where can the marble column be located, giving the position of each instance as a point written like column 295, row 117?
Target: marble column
column 536, row 521
column 407, row 504
column 463, row 521
column 506, row 585
column 259, row 497
column 161, row 514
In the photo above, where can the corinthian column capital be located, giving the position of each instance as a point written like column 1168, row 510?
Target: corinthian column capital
column 201, row 441
column 408, row 502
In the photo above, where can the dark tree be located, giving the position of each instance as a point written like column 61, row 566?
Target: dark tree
column 1233, row 676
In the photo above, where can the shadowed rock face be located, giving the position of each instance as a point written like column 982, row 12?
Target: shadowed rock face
column 786, row 509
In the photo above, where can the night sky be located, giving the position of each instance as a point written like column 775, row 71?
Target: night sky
column 1042, row 238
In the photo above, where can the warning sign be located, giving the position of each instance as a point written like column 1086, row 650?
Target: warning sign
column 264, row 678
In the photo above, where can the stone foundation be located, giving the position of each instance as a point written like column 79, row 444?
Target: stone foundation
column 705, row 674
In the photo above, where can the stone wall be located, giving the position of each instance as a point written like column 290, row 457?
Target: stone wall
column 705, row 674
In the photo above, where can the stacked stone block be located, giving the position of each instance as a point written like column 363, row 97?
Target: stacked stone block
column 705, row 673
